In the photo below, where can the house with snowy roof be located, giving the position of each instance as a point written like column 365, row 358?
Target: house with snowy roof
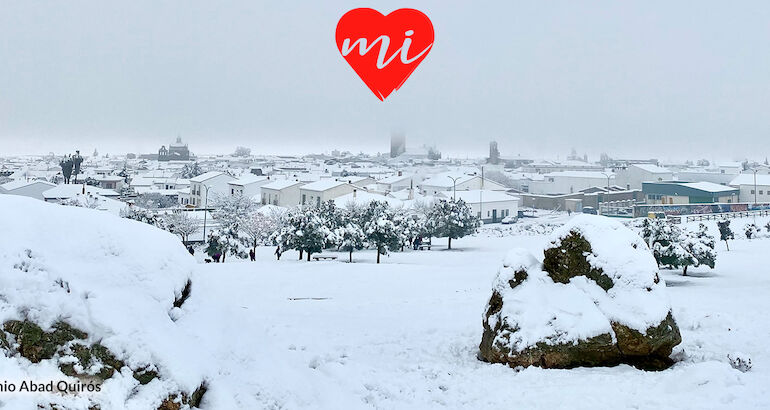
column 448, row 181
column 32, row 189
column 65, row 192
column 284, row 193
column 490, row 206
column 632, row 176
column 568, row 182
column 752, row 188
column 205, row 187
column 321, row 191
column 394, row 183
column 248, row 185
column 675, row 192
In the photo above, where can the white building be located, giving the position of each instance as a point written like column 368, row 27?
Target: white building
column 569, row 182
column 461, row 182
column 70, row 191
column 490, row 206
column 317, row 192
column 283, row 193
column 206, row 187
column 748, row 191
column 113, row 182
column 632, row 176
column 248, row 185
column 394, row 183
column 32, row 189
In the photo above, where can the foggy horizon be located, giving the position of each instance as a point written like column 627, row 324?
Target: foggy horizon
column 634, row 80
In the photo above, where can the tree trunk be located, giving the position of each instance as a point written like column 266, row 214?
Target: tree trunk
column 308, row 256
column 223, row 256
column 727, row 244
column 684, row 272
column 378, row 254
column 351, row 255
column 450, row 243
column 300, row 254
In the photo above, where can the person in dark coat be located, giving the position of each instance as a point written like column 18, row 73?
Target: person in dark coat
column 191, row 250
column 217, row 256
column 252, row 255
column 278, row 252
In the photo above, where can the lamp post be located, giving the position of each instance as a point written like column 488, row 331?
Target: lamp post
column 755, row 185
column 454, row 187
column 205, row 210
column 608, row 183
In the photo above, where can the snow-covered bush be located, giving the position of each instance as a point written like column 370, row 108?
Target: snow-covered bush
column 595, row 300
column 750, row 230
column 90, row 296
column 740, row 361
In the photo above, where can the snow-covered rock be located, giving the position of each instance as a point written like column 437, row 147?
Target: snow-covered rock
column 92, row 284
column 596, row 299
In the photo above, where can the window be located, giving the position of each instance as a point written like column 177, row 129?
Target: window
column 752, row 191
column 303, row 199
column 318, row 201
column 760, row 192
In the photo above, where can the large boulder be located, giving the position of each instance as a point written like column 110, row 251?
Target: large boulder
column 595, row 300
column 88, row 296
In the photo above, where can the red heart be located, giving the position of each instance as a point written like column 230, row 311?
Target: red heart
column 393, row 46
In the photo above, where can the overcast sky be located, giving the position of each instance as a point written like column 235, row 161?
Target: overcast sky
column 662, row 79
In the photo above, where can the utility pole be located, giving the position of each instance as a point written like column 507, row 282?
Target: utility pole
column 755, row 186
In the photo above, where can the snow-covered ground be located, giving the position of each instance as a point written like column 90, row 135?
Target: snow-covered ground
column 404, row 334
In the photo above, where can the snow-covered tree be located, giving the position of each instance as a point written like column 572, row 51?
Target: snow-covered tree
column 180, row 223
column 191, row 170
column 257, row 228
column 699, row 247
column 230, row 212
column 143, row 215
column 154, row 200
column 379, row 228
column 451, row 219
column 349, row 238
column 664, row 240
column 725, row 233
column 332, row 218
column 303, row 231
column 409, row 226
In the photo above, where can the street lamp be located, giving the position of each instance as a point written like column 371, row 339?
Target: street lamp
column 454, row 187
column 205, row 210
column 608, row 183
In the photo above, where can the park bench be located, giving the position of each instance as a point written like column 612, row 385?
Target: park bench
column 324, row 257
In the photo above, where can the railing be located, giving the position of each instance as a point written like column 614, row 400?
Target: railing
column 727, row 215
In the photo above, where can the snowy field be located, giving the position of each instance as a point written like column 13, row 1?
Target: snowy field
column 403, row 334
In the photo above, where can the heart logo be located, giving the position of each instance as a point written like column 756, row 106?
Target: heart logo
column 384, row 50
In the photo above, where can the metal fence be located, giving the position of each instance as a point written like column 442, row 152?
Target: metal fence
column 727, row 215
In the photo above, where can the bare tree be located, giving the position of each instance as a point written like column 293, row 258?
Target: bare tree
column 180, row 223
